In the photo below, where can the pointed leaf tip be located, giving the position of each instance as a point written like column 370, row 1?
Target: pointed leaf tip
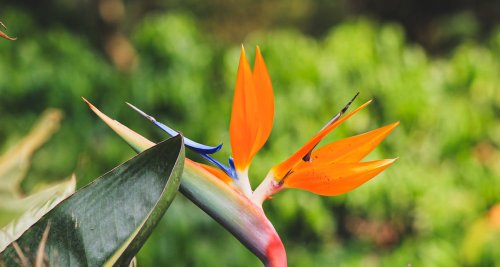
column 135, row 140
column 86, row 101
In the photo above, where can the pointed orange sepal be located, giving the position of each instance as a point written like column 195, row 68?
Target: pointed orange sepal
column 265, row 99
column 337, row 178
column 252, row 112
column 283, row 168
column 352, row 149
column 216, row 172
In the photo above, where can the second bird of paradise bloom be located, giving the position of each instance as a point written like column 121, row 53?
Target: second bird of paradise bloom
column 333, row 169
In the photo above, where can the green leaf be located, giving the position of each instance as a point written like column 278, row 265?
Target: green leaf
column 107, row 222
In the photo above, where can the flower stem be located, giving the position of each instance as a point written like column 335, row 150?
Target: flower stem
column 268, row 187
column 243, row 182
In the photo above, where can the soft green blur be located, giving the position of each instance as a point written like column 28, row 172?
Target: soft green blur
column 431, row 208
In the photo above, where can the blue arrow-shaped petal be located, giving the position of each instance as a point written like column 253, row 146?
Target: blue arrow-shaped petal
column 197, row 147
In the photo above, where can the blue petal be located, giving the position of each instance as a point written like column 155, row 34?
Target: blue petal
column 232, row 168
column 228, row 170
column 197, row 147
column 201, row 149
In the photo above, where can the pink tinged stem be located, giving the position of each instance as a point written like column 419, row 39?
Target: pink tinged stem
column 268, row 187
column 238, row 214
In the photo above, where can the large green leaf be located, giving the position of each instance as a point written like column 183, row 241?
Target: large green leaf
column 106, row 222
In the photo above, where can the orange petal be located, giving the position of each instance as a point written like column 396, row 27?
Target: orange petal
column 352, row 149
column 282, row 169
column 265, row 99
column 250, row 125
column 216, row 172
column 337, row 178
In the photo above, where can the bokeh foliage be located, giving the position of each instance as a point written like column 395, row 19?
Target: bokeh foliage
column 421, row 211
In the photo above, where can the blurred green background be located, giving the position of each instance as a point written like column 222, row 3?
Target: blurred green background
column 433, row 65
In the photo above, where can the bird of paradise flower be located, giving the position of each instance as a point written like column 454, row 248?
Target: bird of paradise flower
column 224, row 192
